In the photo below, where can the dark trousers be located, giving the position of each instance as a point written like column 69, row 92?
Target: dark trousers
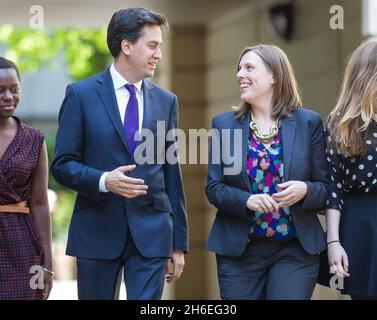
column 353, row 297
column 100, row 279
column 268, row 269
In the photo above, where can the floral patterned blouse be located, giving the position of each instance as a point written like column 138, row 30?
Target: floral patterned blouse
column 265, row 169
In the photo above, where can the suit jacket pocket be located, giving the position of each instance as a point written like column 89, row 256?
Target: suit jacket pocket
column 82, row 202
column 161, row 202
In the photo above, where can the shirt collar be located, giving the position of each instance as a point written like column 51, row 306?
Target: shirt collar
column 120, row 82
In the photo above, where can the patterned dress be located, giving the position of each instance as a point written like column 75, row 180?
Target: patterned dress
column 20, row 247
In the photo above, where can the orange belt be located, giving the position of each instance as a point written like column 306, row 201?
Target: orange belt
column 20, row 207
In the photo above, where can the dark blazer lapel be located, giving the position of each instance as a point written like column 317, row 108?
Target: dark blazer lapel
column 244, row 124
column 107, row 95
column 288, row 136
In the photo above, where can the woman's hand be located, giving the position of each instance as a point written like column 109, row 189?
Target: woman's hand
column 293, row 192
column 262, row 203
column 338, row 259
column 47, row 281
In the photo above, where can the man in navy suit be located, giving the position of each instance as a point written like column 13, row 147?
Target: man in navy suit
column 128, row 216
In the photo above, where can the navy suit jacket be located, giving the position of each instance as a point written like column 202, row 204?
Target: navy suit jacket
column 90, row 141
column 304, row 159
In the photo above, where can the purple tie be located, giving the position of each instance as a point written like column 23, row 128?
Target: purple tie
column 131, row 118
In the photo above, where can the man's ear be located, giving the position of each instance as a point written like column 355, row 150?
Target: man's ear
column 126, row 47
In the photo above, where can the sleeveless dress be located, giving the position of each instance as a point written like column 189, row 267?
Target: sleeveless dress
column 20, row 247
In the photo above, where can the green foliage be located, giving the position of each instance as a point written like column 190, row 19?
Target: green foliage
column 84, row 50
column 50, row 144
column 62, row 215
column 52, row 184
column 65, row 199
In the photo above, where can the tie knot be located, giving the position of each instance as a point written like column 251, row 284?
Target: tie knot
column 131, row 89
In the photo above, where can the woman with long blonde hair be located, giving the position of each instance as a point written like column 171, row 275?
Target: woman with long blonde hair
column 351, row 210
column 266, row 234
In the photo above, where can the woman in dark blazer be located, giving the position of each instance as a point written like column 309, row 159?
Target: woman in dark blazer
column 266, row 234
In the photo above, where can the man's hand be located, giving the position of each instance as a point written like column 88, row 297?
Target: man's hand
column 174, row 266
column 117, row 182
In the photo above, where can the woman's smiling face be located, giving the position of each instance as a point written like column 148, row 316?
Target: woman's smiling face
column 256, row 81
column 9, row 92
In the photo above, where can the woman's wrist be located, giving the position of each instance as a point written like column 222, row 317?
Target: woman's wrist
column 332, row 241
column 48, row 270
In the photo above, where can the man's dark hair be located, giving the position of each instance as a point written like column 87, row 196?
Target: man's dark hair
column 128, row 24
column 7, row 64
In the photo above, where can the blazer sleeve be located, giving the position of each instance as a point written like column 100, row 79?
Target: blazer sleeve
column 227, row 199
column 318, row 184
column 174, row 188
column 67, row 167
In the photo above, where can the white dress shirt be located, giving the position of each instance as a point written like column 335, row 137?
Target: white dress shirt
column 122, row 96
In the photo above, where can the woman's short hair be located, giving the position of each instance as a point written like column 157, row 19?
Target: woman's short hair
column 7, row 64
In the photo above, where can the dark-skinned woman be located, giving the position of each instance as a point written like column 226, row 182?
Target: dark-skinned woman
column 25, row 224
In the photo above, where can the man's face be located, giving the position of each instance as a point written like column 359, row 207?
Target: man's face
column 145, row 53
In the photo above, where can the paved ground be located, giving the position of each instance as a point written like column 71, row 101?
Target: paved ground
column 67, row 290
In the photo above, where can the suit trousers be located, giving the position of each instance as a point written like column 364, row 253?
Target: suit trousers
column 268, row 270
column 99, row 279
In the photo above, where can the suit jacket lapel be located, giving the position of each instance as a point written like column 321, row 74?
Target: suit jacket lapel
column 243, row 124
column 288, row 137
column 107, row 95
